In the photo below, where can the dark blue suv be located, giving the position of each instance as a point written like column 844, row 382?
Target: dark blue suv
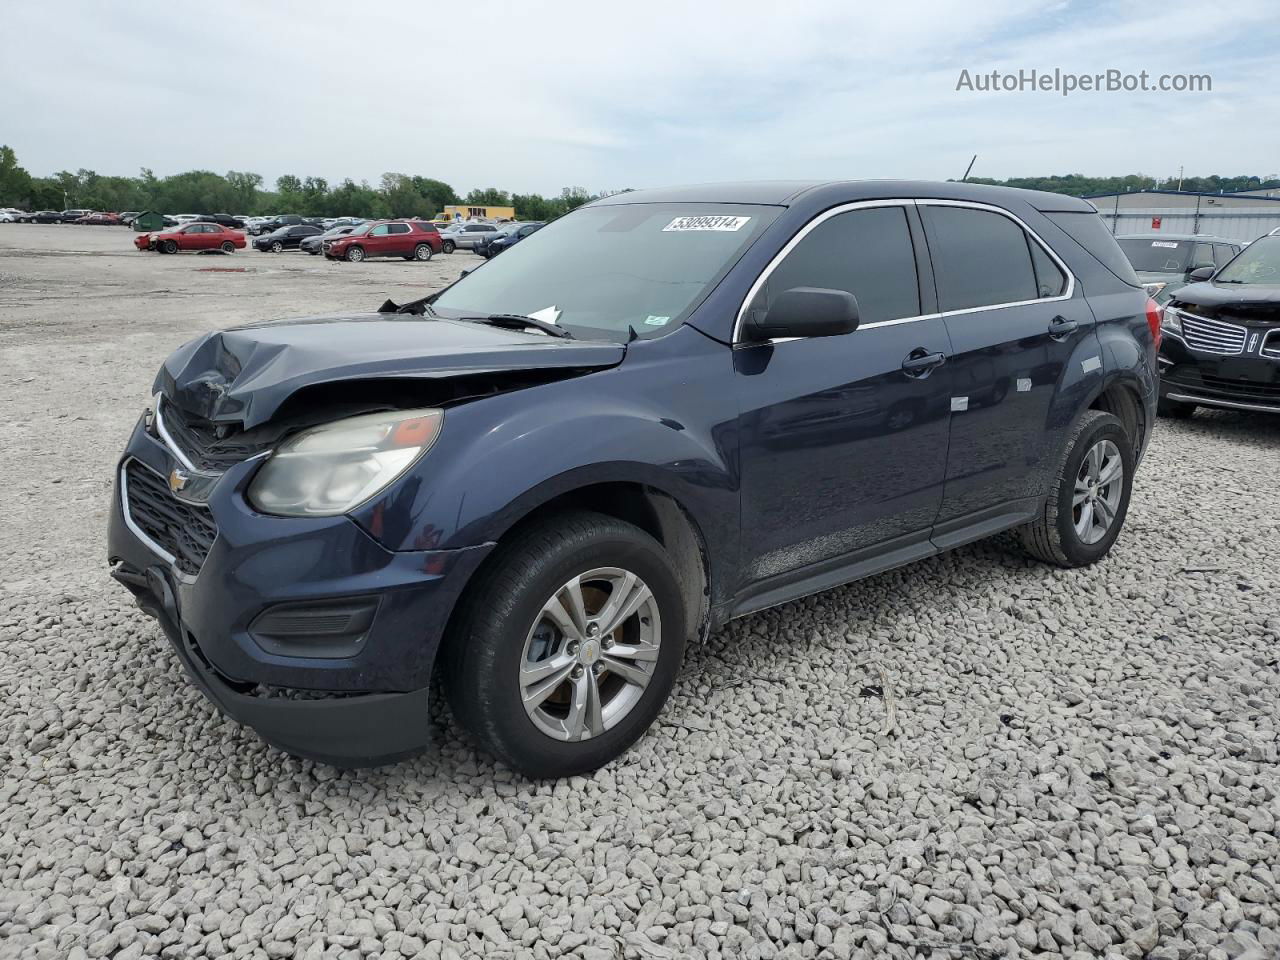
column 660, row 412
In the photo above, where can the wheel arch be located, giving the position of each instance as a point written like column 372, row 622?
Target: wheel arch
column 657, row 512
column 1121, row 396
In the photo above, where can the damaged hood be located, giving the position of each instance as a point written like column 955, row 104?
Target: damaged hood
column 1253, row 301
column 245, row 373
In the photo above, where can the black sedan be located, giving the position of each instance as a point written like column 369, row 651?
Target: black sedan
column 286, row 238
column 222, row 219
column 315, row 245
column 509, row 235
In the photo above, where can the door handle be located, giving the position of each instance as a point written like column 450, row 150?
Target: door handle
column 920, row 364
column 1060, row 327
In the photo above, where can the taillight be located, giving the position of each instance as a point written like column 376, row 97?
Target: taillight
column 1153, row 320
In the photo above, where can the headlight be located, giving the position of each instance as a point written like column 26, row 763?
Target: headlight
column 329, row 470
column 1170, row 322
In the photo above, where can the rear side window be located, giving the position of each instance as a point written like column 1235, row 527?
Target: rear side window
column 399, row 228
column 1088, row 230
column 865, row 252
column 980, row 258
column 426, row 227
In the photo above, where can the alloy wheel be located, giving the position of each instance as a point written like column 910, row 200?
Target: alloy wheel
column 1098, row 489
column 590, row 654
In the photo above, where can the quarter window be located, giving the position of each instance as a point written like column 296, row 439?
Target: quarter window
column 1050, row 280
column 981, row 258
column 865, row 252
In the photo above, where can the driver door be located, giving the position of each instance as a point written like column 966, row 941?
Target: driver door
column 844, row 438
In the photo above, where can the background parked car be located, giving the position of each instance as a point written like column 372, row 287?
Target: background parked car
column 100, row 219
column 222, row 219
column 315, row 245
column 191, row 236
column 465, row 236
column 410, row 239
column 508, row 236
column 46, row 216
column 286, row 238
column 11, row 216
column 274, row 223
column 71, row 216
column 1164, row 263
column 126, row 216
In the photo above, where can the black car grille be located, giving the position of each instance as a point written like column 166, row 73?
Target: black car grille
column 183, row 530
column 1242, row 388
column 208, row 446
column 1212, row 336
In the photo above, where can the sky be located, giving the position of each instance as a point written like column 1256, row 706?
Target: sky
column 533, row 96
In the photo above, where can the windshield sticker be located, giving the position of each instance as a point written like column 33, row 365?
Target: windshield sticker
column 550, row 314
column 1164, row 243
column 653, row 321
column 686, row 224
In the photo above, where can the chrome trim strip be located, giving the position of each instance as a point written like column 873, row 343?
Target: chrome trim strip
column 899, row 202
column 1271, row 353
column 1187, row 398
column 168, row 440
column 150, row 544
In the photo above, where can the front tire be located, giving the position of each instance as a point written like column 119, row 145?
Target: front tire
column 448, row 246
column 567, row 646
column 1085, row 511
column 1174, row 408
column 355, row 254
column 169, row 246
column 276, row 246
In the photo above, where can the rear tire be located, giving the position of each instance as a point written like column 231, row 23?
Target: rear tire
column 1174, row 408
column 228, row 246
column 1070, row 530
column 422, row 252
column 504, row 622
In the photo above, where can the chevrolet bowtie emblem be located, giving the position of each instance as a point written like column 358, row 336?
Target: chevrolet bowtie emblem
column 177, row 479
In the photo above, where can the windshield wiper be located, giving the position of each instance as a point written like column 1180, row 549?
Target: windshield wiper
column 518, row 321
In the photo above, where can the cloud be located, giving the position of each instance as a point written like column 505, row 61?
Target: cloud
column 533, row 96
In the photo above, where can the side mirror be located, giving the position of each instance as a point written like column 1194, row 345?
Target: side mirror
column 805, row 312
column 1201, row 273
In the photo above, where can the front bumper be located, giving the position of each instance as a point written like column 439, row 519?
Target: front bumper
column 1249, row 381
column 352, row 710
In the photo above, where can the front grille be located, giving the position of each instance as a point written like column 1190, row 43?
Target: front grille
column 1242, row 388
column 1212, row 336
column 208, row 446
column 184, row 531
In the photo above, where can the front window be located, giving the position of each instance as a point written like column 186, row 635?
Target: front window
column 1158, row 256
column 1258, row 263
column 604, row 270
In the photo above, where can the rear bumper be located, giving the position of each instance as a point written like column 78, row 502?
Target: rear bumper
column 360, row 703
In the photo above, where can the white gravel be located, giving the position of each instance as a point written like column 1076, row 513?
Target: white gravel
column 1079, row 764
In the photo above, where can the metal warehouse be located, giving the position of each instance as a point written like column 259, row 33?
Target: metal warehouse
column 1233, row 216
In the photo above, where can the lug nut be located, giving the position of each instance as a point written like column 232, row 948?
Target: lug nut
column 577, row 672
column 598, row 668
column 573, row 647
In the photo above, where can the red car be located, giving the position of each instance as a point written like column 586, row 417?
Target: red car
column 191, row 236
column 410, row 239
column 100, row 219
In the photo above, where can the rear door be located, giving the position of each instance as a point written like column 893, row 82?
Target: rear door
column 844, row 439
column 400, row 242
column 1015, row 319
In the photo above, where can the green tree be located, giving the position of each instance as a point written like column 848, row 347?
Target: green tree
column 487, row 197
column 437, row 193
column 15, row 183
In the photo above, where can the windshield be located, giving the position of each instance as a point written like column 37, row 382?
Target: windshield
column 1259, row 262
column 601, row 270
column 1158, row 256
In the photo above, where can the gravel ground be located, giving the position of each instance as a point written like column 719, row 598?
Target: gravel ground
column 975, row 756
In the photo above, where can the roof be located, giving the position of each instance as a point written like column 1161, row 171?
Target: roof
column 787, row 192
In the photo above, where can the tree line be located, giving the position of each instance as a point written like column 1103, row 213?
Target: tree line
column 241, row 192
column 401, row 195
column 1076, row 185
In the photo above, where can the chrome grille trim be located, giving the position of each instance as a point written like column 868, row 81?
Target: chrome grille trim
column 1271, row 345
column 1212, row 336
